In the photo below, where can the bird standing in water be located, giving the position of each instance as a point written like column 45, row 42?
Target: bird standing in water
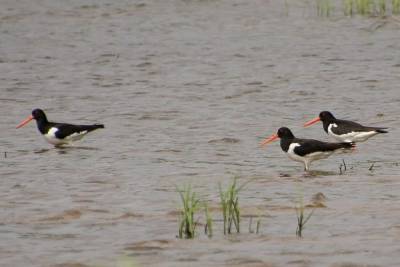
column 305, row 150
column 58, row 134
column 345, row 131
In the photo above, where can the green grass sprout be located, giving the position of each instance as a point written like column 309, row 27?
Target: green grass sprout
column 190, row 205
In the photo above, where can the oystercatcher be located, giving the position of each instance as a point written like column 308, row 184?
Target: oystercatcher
column 58, row 134
column 345, row 131
column 305, row 150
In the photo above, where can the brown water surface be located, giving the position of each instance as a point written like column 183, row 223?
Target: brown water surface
column 187, row 89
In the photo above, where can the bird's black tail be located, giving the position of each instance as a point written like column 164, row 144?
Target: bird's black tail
column 381, row 131
column 347, row 145
column 93, row 127
column 98, row 126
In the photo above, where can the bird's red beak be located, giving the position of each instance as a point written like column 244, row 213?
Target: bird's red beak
column 269, row 139
column 317, row 119
column 25, row 121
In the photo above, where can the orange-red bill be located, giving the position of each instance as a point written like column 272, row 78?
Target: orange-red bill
column 317, row 119
column 269, row 139
column 25, row 121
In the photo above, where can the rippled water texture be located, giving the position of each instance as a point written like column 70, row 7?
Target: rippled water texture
column 187, row 89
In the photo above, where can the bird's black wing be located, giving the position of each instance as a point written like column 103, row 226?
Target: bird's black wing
column 65, row 130
column 345, row 127
column 308, row 146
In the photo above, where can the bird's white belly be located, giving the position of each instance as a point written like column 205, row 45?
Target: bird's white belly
column 319, row 155
column 51, row 138
column 54, row 141
column 306, row 159
column 75, row 136
column 293, row 156
column 352, row 136
column 309, row 157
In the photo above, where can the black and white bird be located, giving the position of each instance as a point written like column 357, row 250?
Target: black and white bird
column 58, row 134
column 345, row 131
column 305, row 150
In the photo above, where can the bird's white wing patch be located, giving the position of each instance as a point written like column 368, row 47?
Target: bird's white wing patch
column 293, row 155
column 52, row 132
column 50, row 137
column 76, row 136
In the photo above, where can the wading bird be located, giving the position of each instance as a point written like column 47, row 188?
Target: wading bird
column 58, row 134
column 305, row 150
column 345, row 131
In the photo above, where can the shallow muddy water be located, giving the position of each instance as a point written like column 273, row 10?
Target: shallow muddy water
column 187, row 90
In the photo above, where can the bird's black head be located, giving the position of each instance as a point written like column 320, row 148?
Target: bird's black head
column 39, row 115
column 285, row 133
column 326, row 116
